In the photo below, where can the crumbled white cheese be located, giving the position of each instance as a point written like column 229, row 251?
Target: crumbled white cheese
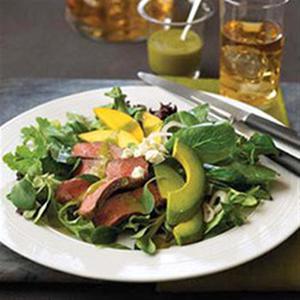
column 138, row 172
column 154, row 156
column 127, row 153
column 152, row 149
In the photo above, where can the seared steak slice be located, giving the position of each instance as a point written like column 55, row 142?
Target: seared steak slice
column 97, row 198
column 87, row 150
column 119, row 177
column 125, row 167
column 93, row 150
column 71, row 189
column 122, row 205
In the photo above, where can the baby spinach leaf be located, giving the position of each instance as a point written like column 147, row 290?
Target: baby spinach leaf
column 214, row 222
column 135, row 222
column 213, row 142
column 104, row 235
column 89, row 178
column 183, row 117
column 114, row 246
column 238, row 174
column 258, row 144
column 144, row 238
column 23, row 195
column 146, row 244
column 60, row 170
column 201, row 112
column 147, row 198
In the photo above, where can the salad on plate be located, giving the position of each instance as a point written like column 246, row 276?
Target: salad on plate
column 137, row 178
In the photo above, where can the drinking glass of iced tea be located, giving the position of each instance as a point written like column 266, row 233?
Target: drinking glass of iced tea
column 252, row 39
column 111, row 20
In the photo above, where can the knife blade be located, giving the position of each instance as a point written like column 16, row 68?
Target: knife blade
column 226, row 110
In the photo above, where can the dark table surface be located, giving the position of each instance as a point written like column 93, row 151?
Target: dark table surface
column 36, row 42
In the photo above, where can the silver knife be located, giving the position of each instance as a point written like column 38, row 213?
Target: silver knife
column 239, row 117
column 226, row 110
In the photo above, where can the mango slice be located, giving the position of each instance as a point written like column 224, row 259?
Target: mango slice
column 151, row 123
column 117, row 120
column 125, row 138
column 120, row 137
column 100, row 135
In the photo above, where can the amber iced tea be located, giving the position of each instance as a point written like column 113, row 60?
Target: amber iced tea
column 250, row 61
column 112, row 20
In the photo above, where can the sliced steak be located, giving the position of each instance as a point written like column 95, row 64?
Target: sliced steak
column 92, row 166
column 71, row 189
column 85, row 166
column 118, row 174
column 122, row 205
column 125, row 167
column 97, row 198
column 93, row 150
column 116, row 152
column 87, row 150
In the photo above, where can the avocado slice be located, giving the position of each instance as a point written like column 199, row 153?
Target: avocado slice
column 167, row 178
column 184, row 202
column 190, row 231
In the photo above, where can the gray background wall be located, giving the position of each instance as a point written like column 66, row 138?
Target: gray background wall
column 35, row 41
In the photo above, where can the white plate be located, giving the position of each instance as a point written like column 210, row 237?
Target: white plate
column 271, row 224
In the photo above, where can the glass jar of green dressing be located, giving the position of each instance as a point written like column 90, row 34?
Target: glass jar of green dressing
column 168, row 54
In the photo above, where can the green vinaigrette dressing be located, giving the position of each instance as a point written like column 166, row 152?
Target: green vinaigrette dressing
column 169, row 55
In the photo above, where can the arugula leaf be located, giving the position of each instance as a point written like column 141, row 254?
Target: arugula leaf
column 80, row 124
column 54, row 132
column 38, row 143
column 23, row 195
column 104, row 235
column 23, row 165
column 61, row 154
column 119, row 99
column 80, row 227
column 213, row 142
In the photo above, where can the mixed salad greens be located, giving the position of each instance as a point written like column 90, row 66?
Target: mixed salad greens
column 161, row 177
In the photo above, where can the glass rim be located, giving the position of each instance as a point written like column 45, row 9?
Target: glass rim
column 209, row 11
column 263, row 6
